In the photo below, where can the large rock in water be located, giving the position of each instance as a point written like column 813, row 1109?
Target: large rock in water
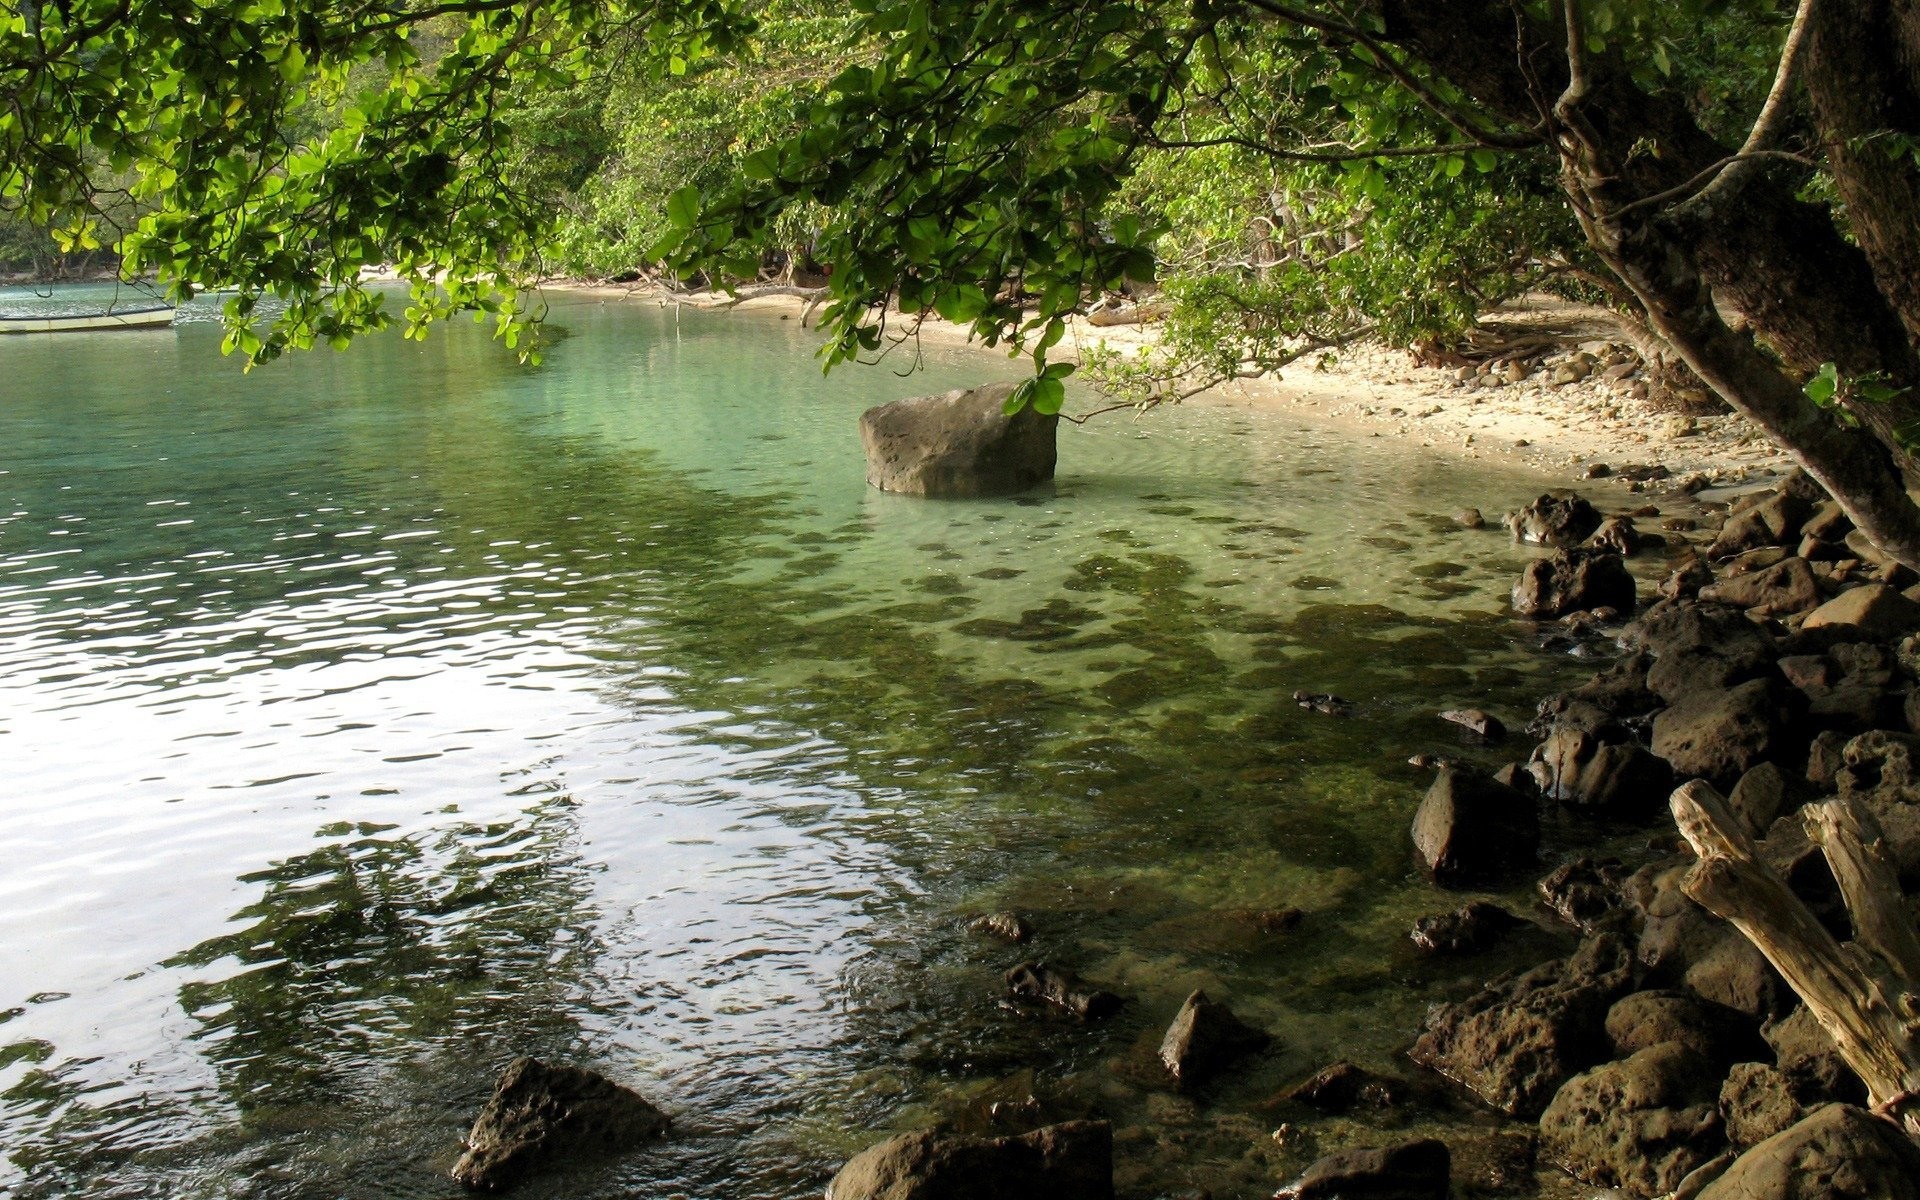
column 1205, row 1037
column 1559, row 518
column 539, row 1112
column 1573, row 581
column 1839, row 1153
column 1416, row 1170
column 1472, row 829
column 960, row 443
column 1070, row 1161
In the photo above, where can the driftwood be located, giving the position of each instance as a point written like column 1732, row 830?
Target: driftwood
column 1865, row 993
column 814, row 296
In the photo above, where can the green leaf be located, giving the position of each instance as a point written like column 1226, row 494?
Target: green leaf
column 683, row 207
column 1048, row 395
column 1824, row 385
column 1017, row 399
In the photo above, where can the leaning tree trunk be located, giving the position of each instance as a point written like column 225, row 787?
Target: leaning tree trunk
column 1866, row 993
column 1779, row 262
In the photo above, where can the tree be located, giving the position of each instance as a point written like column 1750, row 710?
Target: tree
column 981, row 159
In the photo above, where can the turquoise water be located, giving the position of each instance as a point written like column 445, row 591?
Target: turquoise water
column 378, row 716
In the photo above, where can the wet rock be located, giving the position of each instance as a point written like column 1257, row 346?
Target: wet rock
column 1037, row 983
column 1880, row 613
column 1343, row 1087
column 1416, row 1170
column 1206, row 1037
column 540, row 1112
column 1069, row 1161
column 1807, row 1058
column 1718, row 1034
column 1601, row 705
column 1620, row 780
column 1323, row 702
column 1516, row 1041
column 1470, row 829
column 1766, row 519
column 1499, row 1163
column 1786, row 587
column 960, row 443
column 1641, row 1124
column 1008, row 926
column 1697, row 646
column 1465, row 931
column 1573, row 581
column 1756, row 1102
column 1585, row 891
column 1838, row 1153
column 1469, row 518
column 1759, row 797
column 1483, row 725
column 1559, row 518
column 1718, row 735
column 1617, row 535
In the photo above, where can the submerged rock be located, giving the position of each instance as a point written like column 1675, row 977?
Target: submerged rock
column 1342, row 1087
column 539, row 1112
column 1642, row 1124
column 1325, row 703
column 1416, row 1170
column 1839, row 1153
column 1481, row 724
column 1040, row 984
column 960, row 443
column 1518, row 1039
column 1471, row 829
column 1010, row 926
column 1069, row 1161
column 1206, row 1037
column 1465, row 931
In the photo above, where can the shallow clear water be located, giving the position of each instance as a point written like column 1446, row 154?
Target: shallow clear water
column 378, row 716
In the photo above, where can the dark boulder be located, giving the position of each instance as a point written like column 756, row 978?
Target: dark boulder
column 1838, row 1153
column 960, row 443
column 1416, row 1170
column 1696, row 646
column 1573, row 581
column 1641, row 1124
column 1069, row 1161
column 1759, row 797
column 1204, row 1038
column 539, row 1112
column 1718, row 1034
column 1619, row 780
column 1805, row 1054
column 1682, row 945
column 1039, row 984
column 1719, row 734
column 1559, row 518
column 1470, row 829
column 1617, row 535
column 1517, row 1040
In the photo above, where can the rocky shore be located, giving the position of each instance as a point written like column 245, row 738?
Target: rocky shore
column 1751, row 644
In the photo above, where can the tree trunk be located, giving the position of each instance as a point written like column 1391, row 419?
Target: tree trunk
column 1780, row 263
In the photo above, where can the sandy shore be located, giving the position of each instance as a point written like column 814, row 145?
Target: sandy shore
column 1590, row 432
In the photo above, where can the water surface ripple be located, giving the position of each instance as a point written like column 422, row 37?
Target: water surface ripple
column 378, row 716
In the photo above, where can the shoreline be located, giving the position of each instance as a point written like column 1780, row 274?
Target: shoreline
column 1589, row 434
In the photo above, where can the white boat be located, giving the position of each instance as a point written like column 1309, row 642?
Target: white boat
column 152, row 317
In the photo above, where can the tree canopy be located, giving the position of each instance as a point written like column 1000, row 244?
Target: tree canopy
column 1738, row 178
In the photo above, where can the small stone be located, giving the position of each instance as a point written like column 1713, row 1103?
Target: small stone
column 1416, row 1170
column 1069, row 1161
column 1342, row 1087
column 1205, row 1037
column 1470, row 518
column 1597, row 470
column 1465, row 931
column 1035, row 982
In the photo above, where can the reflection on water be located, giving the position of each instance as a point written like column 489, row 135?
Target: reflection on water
column 382, row 715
